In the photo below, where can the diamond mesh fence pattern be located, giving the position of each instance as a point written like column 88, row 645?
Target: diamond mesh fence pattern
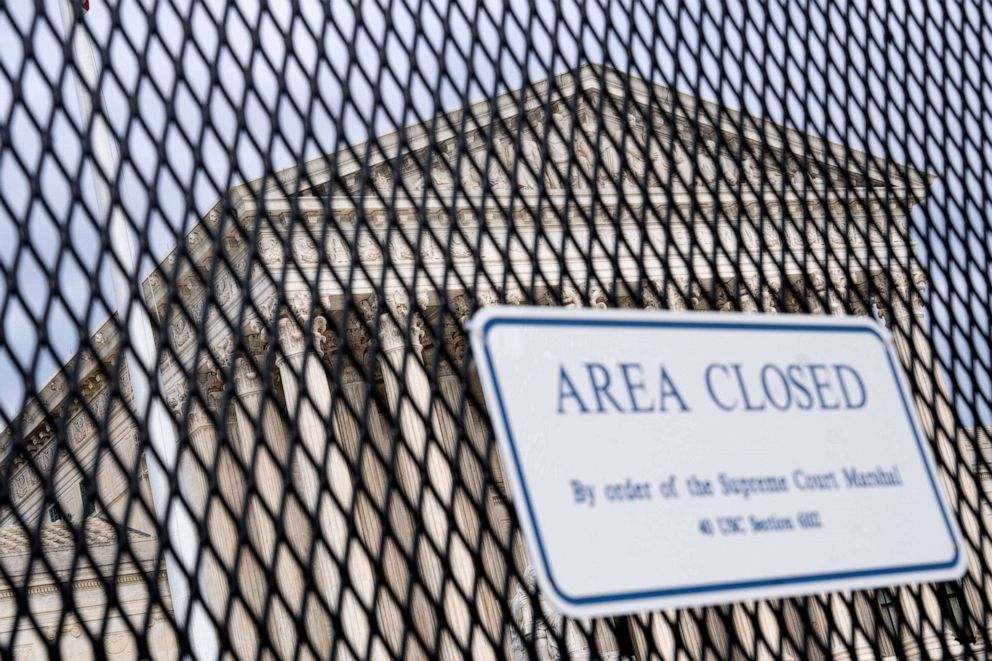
column 240, row 240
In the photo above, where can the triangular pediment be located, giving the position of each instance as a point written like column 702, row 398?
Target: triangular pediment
column 669, row 157
column 652, row 138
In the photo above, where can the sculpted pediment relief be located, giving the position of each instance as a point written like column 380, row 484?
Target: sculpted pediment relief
column 582, row 135
column 55, row 536
column 597, row 150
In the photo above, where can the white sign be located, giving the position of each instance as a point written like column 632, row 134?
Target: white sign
column 662, row 460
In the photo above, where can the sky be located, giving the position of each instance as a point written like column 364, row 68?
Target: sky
column 205, row 94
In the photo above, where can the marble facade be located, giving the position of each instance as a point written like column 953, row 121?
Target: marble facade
column 316, row 374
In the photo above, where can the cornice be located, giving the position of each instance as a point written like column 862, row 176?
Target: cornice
column 51, row 400
column 80, row 585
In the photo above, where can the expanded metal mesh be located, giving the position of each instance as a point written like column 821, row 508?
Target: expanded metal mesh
column 239, row 242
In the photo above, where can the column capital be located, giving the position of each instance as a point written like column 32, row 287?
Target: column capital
column 486, row 296
column 460, row 304
column 368, row 307
column 358, row 341
column 292, row 338
column 177, row 396
column 256, row 337
column 267, row 308
column 399, row 302
column 856, row 284
column 326, row 340
column 321, row 341
column 901, row 292
column 649, row 300
column 818, row 291
column 211, row 385
column 460, row 307
column 570, row 297
column 391, row 334
column 697, row 297
column 515, row 296
column 750, row 292
column 790, row 289
column 881, row 281
column 836, row 293
column 247, row 380
column 675, row 293
column 399, row 306
column 300, row 304
column 223, row 352
column 769, row 296
column 725, row 295
column 453, row 340
column 599, row 298
column 907, row 285
column 297, row 316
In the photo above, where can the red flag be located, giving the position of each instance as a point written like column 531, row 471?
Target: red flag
column 86, row 5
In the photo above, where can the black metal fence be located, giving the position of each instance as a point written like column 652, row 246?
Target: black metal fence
column 239, row 242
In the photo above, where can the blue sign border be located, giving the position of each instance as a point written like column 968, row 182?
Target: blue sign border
column 709, row 325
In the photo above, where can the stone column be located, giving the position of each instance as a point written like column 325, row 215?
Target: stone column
column 770, row 643
column 226, row 519
column 702, row 630
column 868, row 632
column 669, row 631
column 544, row 628
column 752, row 626
column 468, row 502
column 744, row 644
column 851, row 612
column 365, row 452
column 419, row 467
column 505, row 553
column 261, row 444
column 805, row 623
column 395, row 546
column 505, row 547
column 898, row 303
column 308, row 401
column 196, row 461
column 804, row 627
column 661, row 628
column 729, row 630
column 202, row 461
column 599, row 630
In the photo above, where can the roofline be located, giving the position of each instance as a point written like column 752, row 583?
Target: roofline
column 589, row 78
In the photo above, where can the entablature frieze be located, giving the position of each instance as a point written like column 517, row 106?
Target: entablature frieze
column 818, row 266
column 829, row 281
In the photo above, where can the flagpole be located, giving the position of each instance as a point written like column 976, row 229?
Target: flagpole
column 182, row 554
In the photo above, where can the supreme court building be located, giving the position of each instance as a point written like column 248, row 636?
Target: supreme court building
column 285, row 330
